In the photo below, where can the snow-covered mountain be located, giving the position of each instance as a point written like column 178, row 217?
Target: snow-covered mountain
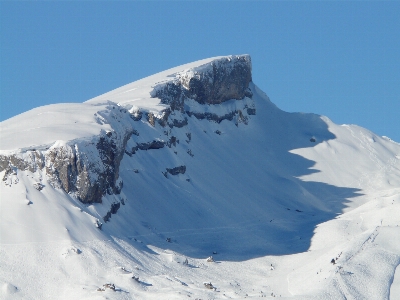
column 130, row 194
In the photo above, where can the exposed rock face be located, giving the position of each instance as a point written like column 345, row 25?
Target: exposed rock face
column 214, row 83
column 228, row 78
column 156, row 144
column 64, row 167
column 251, row 111
column 178, row 123
column 113, row 210
column 177, row 170
column 89, row 172
column 32, row 160
column 212, row 117
column 88, row 169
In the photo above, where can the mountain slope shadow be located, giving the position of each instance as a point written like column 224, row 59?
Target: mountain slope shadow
column 244, row 198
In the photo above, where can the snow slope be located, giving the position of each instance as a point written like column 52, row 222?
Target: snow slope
column 40, row 127
column 272, row 196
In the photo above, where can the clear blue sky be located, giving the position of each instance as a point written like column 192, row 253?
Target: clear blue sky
column 339, row 59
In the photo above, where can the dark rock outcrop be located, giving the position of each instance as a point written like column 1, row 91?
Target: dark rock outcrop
column 87, row 169
column 177, row 170
column 228, row 79
column 38, row 186
column 9, row 171
column 212, row 117
column 33, row 160
column 151, row 119
column 172, row 141
column 251, row 111
column 218, row 81
column 136, row 115
column 113, row 210
column 155, row 144
column 178, row 123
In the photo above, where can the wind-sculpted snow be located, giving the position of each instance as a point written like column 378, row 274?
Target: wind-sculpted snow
column 191, row 183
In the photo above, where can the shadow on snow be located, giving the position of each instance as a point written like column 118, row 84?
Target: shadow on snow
column 244, row 199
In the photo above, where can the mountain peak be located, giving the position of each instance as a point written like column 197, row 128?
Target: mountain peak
column 105, row 123
column 208, row 81
column 215, row 82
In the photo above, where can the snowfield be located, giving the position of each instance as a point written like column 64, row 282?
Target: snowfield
column 288, row 205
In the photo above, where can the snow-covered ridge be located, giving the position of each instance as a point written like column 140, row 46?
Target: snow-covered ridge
column 210, row 81
column 87, row 164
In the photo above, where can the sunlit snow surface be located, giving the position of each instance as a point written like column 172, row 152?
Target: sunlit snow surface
column 42, row 126
column 270, row 206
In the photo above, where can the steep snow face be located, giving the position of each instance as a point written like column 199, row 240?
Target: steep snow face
column 172, row 169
